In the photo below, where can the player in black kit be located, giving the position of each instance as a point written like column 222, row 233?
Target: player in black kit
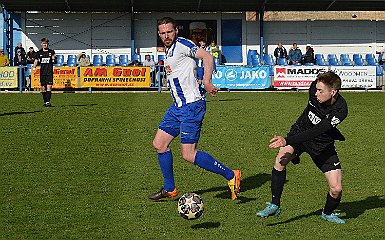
column 314, row 133
column 46, row 58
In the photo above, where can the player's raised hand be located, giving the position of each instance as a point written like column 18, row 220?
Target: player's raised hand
column 277, row 141
column 211, row 89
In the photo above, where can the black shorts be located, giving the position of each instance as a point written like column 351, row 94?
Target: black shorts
column 46, row 80
column 325, row 160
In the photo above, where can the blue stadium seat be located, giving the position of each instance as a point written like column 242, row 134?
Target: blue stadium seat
column 137, row 57
column 359, row 61
column 369, row 56
column 97, row 60
column 268, row 59
column 371, row 61
column 356, row 55
column 71, row 61
column 320, row 62
column 334, row 62
column 251, row 53
column 379, row 70
column 110, row 62
column 282, row 61
column 59, row 60
column 319, row 56
column 331, row 56
column 309, row 64
column 160, row 57
column 347, row 63
column 344, row 56
column 123, row 60
column 255, row 60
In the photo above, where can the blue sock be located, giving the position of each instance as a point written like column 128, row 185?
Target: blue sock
column 207, row 162
column 165, row 162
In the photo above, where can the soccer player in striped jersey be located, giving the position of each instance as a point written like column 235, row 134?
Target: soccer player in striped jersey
column 186, row 113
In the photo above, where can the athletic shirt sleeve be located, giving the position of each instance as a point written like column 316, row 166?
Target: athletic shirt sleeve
column 336, row 114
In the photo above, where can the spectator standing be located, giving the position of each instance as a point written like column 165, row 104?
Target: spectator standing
column 202, row 44
column 214, row 49
column 46, row 57
column 148, row 62
column 280, row 52
column 83, row 60
column 4, row 60
column 382, row 59
column 295, row 54
column 19, row 47
column 31, row 56
column 309, row 55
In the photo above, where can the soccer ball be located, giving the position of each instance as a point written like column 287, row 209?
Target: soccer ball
column 190, row 206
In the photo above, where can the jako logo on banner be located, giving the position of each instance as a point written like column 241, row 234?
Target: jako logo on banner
column 280, row 72
column 231, row 74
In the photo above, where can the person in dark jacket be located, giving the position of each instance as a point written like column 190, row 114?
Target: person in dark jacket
column 309, row 56
column 280, row 52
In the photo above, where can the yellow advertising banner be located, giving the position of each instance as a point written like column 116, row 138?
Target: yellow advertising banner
column 9, row 77
column 63, row 77
column 114, row 77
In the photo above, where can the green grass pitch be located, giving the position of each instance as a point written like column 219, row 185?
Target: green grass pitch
column 83, row 169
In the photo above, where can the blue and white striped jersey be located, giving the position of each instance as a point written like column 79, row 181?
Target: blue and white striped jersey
column 181, row 72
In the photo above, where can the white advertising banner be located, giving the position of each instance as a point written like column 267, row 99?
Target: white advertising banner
column 356, row 76
column 296, row 76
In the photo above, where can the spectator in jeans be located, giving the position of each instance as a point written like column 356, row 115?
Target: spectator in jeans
column 148, row 62
column 19, row 60
column 295, row 54
column 280, row 52
column 31, row 56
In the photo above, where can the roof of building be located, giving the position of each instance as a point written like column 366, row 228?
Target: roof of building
column 191, row 6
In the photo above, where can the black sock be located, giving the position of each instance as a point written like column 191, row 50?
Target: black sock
column 44, row 96
column 278, row 179
column 331, row 204
column 49, row 96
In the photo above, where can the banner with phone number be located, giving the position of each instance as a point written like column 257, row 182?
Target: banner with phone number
column 114, row 77
column 9, row 77
column 63, row 77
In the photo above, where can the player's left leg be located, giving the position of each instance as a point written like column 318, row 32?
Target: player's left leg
column 331, row 167
column 49, row 93
column 190, row 133
column 333, row 198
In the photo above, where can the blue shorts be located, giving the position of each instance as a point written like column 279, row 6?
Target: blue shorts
column 200, row 73
column 186, row 121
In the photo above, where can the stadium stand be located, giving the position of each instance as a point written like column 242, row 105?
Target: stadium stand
column 97, row 60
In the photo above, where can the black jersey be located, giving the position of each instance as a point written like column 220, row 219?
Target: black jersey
column 317, row 124
column 45, row 61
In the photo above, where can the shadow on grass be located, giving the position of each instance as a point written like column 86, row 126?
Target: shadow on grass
column 78, row 105
column 206, row 225
column 225, row 100
column 247, row 184
column 352, row 209
column 17, row 113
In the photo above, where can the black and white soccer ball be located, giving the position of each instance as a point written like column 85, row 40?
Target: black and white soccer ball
column 190, row 206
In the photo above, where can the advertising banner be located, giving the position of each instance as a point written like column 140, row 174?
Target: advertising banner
column 9, row 77
column 286, row 77
column 63, row 77
column 114, row 77
column 241, row 77
column 356, row 76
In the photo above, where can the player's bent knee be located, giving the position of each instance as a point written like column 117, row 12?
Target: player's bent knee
column 159, row 146
column 336, row 191
column 189, row 157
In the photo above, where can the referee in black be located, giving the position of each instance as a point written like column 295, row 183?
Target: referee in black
column 314, row 133
column 45, row 57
